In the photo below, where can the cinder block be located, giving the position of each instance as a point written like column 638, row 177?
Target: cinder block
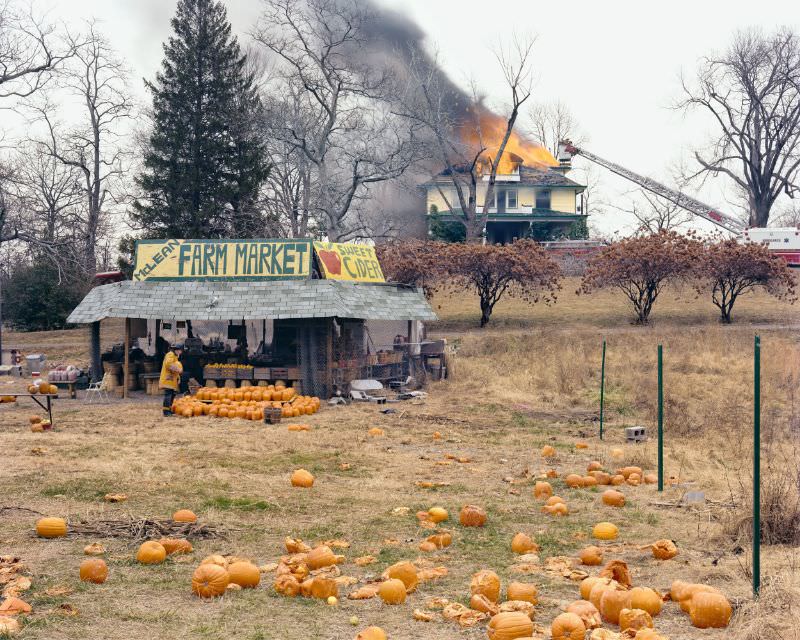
column 635, row 434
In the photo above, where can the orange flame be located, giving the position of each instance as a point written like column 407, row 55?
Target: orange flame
column 487, row 129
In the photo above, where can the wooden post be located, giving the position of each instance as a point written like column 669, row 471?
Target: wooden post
column 329, row 357
column 126, row 366
column 94, row 351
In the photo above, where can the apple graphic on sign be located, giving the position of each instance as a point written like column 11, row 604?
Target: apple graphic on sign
column 331, row 260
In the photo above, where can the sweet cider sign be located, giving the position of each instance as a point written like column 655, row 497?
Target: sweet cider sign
column 354, row 262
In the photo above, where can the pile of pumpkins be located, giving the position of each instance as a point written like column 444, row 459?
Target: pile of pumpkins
column 43, row 388
column 247, row 403
column 38, row 425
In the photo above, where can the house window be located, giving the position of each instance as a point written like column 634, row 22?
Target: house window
column 511, row 199
column 543, row 199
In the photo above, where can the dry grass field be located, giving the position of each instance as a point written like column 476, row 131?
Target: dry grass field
column 531, row 378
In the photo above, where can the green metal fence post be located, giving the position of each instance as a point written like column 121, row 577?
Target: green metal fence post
column 602, row 386
column 757, row 466
column 660, row 418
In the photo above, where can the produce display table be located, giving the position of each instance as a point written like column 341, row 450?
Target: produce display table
column 70, row 387
column 37, row 399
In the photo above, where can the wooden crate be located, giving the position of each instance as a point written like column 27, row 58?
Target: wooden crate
column 244, row 374
column 212, row 373
column 261, row 373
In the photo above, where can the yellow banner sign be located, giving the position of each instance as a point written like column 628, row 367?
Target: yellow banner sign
column 222, row 259
column 356, row 262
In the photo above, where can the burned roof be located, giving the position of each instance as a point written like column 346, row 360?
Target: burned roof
column 225, row 300
column 528, row 176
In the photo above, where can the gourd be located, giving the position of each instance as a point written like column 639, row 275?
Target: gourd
column 184, row 515
column 627, row 472
column 709, row 610
column 440, row 540
column 210, row 580
column 634, row 619
column 587, row 584
column 151, row 553
column 372, row 633
column 568, row 626
column 573, row 480
column 472, row 516
column 594, row 465
column 302, row 478
column 406, row 572
column 176, row 545
column 617, row 480
column 319, row 557
column 646, row 599
column 523, row 591
column 634, row 479
column 554, row 500
column 392, row 591
column 613, row 498
column 664, row 549
column 438, row 514
column 245, row 574
column 542, row 490
column 602, row 477
column 51, row 527
column 599, row 588
column 548, row 451
column 93, row 570
column 691, row 591
column 34, row 419
column 612, row 602
column 522, row 543
column 323, row 588
column 587, row 612
column 510, row 625
column 605, row 531
column 557, row 509
column 591, row 556
column 486, row 583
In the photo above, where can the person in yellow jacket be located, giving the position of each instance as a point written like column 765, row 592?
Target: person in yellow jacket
column 170, row 379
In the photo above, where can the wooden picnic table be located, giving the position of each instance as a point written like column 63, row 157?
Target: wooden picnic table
column 37, row 399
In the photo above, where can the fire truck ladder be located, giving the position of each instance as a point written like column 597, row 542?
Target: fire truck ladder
column 566, row 150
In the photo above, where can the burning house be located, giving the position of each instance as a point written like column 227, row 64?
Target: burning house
column 532, row 196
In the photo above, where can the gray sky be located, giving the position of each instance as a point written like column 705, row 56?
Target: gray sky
column 617, row 64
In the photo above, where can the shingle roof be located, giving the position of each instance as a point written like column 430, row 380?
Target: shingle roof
column 252, row 300
column 532, row 176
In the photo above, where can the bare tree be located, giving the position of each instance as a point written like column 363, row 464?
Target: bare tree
column 552, row 122
column 94, row 149
column 789, row 217
column 470, row 148
column 348, row 135
column 752, row 93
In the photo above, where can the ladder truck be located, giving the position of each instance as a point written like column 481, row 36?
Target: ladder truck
column 783, row 241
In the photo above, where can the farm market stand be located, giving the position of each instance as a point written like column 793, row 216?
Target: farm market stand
column 259, row 312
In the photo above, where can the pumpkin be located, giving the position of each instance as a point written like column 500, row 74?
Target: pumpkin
column 617, row 570
column 216, row 559
column 691, row 591
column 587, row 584
column 441, row 540
column 245, row 574
column 589, row 481
column 509, row 625
column 648, row 634
column 295, row 545
column 587, row 612
column 599, row 588
column 523, row 591
column 581, row 445
column 405, row 572
column 94, row 549
column 302, row 478
column 617, row 480
column 438, row 514
column 634, row 479
column 486, row 583
column 323, row 588
column 628, row 471
column 426, row 546
column 210, row 580
column 12, row 606
column 522, row 543
column 554, row 500
column 557, row 509
column 34, row 419
column 594, row 465
column 392, row 591
column 605, row 531
column 93, row 570
column 176, row 545
column 613, row 498
column 184, row 515
column 9, row 626
column 568, row 626
column 709, row 610
column 375, row 431
column 664, row 549
column 481, row 603
column 551, row 473
column 650, row 478
column 32, row 389
column 372, row 633
column 542, row 490
column 287, row 585
column 591, row 556
column 573, row 480
column 319, row 557
column 37, row 427
column 548, row 451
column 634, row 619
column 472, row 516
column 602, row 477
column 151, row 552
column 646, row 599
column 51, row 527
column 612, row 602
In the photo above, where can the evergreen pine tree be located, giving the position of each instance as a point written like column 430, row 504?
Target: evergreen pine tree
column 205, row 164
